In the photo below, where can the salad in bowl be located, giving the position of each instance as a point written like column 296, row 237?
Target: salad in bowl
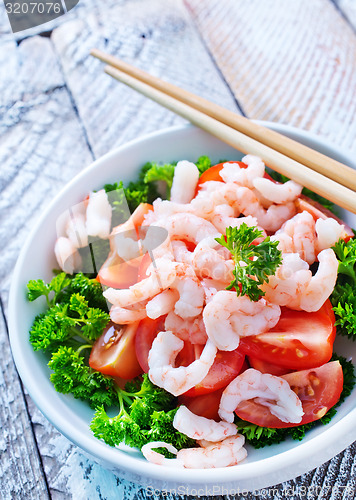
column 195, row 311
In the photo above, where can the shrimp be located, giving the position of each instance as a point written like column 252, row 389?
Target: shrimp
column 185, row 180
column 298, row 235
column 267, row 390
column 154, row 457
column 232, row 172
column 224, row 217
column 98, row 215
column 185, row 226
column 208, row 262
column 192, row 329
column 162, row 303
column 164, row 350
column 277, row 193
column 302, row 235
column 67, row 255
column 197, row 427
column 228, row 317
column 271, row 218
column 181, row 252
column 191, row 296
column 211, row 286
column 229, row 451
column 124, row 316
column 294, row 286
column 328, row 231
column 161, row 276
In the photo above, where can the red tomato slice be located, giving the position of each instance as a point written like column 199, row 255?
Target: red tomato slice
column 319, row 212
column 226, row 366
column 299, row 340
column 117, row 273
column 213, row 173
column 146, row 332
column 205, row 405
column 318, row 389
column 114, row 352
column 264, row 367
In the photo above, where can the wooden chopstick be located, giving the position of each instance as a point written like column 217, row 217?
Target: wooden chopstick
column 317, row 161
column 309, row 178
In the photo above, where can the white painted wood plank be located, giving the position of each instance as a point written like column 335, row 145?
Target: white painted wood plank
column 290, row 62
column 348, row 7
column 20, row 463
column 158, row 37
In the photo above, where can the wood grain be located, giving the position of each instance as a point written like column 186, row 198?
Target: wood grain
column 156, row 36
column 290, row 62
column 20, row 462
column 55, row 99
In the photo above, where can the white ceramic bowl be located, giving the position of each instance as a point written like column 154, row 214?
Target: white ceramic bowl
column 71, row 417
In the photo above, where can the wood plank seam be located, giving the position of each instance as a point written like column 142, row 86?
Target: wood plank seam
column 343, row 15
column 74, row 105
column 218, row 69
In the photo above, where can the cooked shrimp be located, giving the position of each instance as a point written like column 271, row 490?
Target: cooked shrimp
column 232, row 172
column 268, row 390
column 154, row 457
column 185, row 226
column 192, row 329
column 294, row 286
column 197, row 427
column 277, row 193
column 224, row 217
column 181, row 252
column 209, row 262
column 211, row 286
column 322, row 283
column 160, row 277
column 124, row 316
column 224, row 453
column 67, row 255
column 185, row 180
column 271, row 218
column 298, row 235
column 228, row 317
column 98, row 215
column 328, row 231
column 164, row 350
column 162, row 303
column 191, row 295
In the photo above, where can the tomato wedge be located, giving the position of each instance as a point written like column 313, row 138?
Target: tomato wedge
column 265, row 367
column 300, row 339
column 206, row 405
column 147, row 331
column 318, row 389
column 226, row 367
column 117, row 273
column 114, row 352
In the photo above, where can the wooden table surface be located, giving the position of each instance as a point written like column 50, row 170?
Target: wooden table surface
column 289, row 61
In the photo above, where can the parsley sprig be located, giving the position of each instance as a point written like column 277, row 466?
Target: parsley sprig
column 253, row 263
column 343, row 297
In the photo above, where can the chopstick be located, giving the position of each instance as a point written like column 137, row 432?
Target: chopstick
column 317, row 161
column 315, row 181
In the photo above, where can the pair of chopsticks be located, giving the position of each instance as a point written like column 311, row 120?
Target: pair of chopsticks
column 323, row 175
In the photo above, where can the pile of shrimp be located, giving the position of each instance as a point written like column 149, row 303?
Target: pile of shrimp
column 186, row 282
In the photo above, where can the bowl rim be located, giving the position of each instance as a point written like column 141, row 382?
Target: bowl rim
column 121, row 459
